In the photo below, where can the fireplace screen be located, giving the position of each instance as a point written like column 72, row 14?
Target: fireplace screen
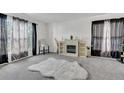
column 71, row 49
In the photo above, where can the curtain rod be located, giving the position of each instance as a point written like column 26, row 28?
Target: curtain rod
column 108, row 19
column 18, row 18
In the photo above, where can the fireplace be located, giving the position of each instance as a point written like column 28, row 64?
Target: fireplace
column 71, row 49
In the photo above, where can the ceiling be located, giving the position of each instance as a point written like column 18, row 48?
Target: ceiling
column 55, row 17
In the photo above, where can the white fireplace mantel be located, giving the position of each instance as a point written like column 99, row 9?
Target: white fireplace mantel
column 75, row 47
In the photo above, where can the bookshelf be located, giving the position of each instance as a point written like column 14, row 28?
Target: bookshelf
column 61, row 48
column 82, row 51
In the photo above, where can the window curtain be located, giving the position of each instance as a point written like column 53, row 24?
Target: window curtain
column 9, row 36
column 15, row 41
column 23, row 39
column 34, row 39
column 3, row 39
column 30, row 36
column 20, row 38
column 97, row 37
column 106, row 42
column 117, row 32
column 107, row 37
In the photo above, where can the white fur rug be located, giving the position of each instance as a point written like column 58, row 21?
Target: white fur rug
column 60, row 69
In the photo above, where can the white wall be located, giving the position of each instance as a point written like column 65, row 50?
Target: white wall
column 42, row 33
column 50, row 37
column 80, row 28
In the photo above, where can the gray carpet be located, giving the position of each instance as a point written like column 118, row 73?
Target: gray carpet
column 98, row 68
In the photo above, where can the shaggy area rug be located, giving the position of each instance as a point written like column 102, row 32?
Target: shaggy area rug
column 60, row 69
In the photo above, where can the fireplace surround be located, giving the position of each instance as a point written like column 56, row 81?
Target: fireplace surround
column 76, row 48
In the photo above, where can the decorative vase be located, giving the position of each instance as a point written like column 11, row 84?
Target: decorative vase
column 71, row 37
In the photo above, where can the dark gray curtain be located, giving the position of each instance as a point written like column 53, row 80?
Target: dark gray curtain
column 117, row 33
column 34, row 39
column 3, row 39
column 97, row 37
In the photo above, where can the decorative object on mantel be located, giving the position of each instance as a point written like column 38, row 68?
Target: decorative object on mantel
column 71, row 37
